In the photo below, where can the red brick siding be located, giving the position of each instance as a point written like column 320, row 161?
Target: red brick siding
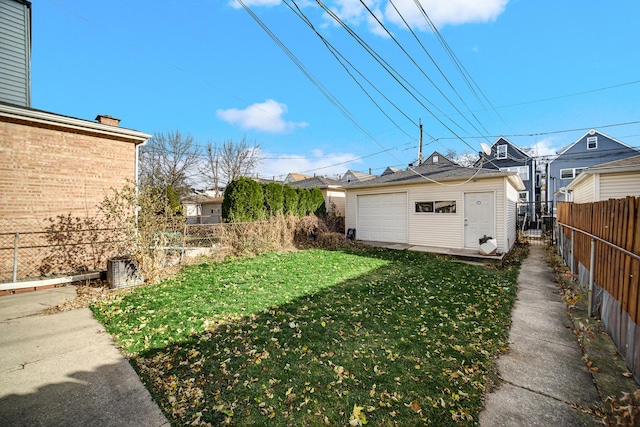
column 47, row 171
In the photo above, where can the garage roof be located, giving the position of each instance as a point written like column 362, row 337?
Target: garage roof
column 436, row 172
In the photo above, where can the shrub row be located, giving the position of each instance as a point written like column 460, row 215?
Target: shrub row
column 246, row 200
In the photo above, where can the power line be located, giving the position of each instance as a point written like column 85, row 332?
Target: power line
column 393, row 73
column 413, row 61
column 550, row 132
column 466, row 76
column 302, row 68
column 335, row 52
column 553, row 98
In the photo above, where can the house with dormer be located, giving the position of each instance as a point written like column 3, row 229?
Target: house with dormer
column 592, row 148
column 508, row 157
column 355, row 176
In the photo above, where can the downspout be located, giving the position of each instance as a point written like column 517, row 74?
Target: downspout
column 137, row 189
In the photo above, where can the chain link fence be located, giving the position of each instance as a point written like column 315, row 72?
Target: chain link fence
column 34, row 249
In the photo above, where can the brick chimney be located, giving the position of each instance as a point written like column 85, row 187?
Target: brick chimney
column 107, row 120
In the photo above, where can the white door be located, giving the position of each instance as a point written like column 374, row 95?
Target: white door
column 382, row 217
column 479, row 218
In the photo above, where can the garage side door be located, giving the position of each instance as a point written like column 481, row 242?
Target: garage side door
column 382, row 217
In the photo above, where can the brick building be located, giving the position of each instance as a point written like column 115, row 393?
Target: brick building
column 56, row 165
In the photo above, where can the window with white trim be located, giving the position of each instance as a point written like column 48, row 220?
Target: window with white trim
column 592, row 143
column 523, row 196
column 502, row 152
column 447, row 206
column 570, row 173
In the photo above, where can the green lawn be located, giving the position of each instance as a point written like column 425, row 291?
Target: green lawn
column 318, row 338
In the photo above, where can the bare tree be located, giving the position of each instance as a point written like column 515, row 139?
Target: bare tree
column 169, row 159
column 465, row 158
column 232, row 160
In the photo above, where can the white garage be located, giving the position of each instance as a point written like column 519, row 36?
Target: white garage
column 382, row 217
column 438, row 204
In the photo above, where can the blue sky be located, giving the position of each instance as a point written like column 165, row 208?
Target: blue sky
column 544, row 73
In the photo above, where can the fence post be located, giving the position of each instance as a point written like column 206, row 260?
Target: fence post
column 592, row 261
column 571, row 253
column 560, row 243
column 15, row 258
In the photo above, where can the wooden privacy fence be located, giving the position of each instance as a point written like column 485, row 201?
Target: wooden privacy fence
column 601, row 241
column 617, row 222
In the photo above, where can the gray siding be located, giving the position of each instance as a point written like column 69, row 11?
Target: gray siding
column 516, row 158
column 579, row 156
column 15, row 52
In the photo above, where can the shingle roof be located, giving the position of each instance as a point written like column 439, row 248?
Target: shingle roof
column 629, row 161
column 298, row 176
column 360, row 176
column 432, row 172
column 317, row 181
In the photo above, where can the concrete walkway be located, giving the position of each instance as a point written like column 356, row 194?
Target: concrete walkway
column 544, row 380
column 64, row 370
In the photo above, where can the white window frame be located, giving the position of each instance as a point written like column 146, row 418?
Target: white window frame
column 592, row 143
column 435, row 209
column 574, row 172
column 526, row 195
column 569, row 171
column 501, row 151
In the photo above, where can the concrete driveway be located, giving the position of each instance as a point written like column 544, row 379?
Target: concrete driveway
column 64, row 369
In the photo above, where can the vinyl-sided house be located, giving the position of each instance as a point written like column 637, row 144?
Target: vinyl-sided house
column 506, row 156
column 332, row 191
column 438, row 204
column 355, row 176
column 295, row 177
column 611, row 180
column 592, row 148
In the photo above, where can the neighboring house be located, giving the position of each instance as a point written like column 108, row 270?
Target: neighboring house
column 437, row 204
column 508, row 157
column 332, row 191
column 57, row 165
column 612, row 180
column 212, row 210
column 268, row 181
column 15, row 57
column 390, row 170
column 201, row 208
column 294, row 177
column 590, row 149
column 352, row 176
column 192, row 207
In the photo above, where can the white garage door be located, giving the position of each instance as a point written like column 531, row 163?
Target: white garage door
column 382, row 218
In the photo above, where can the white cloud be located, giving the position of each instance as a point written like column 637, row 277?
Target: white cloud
column 441, row 12
column 266, row 117
column 544, row 147
column 250, row 3
column 445, row 12
column 329, row 165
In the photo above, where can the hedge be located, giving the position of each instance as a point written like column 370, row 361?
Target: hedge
column 246, row 200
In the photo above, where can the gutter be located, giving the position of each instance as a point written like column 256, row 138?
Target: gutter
column 51, row 119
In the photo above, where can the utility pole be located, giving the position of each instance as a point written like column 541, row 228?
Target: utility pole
column 420, row 147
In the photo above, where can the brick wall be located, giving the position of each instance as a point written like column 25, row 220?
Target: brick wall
column 49, row 169
column 46, row 171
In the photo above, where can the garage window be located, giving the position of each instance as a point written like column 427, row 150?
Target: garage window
column 448, row 206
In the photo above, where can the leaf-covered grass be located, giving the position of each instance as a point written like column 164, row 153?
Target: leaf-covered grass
column 318, row 338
